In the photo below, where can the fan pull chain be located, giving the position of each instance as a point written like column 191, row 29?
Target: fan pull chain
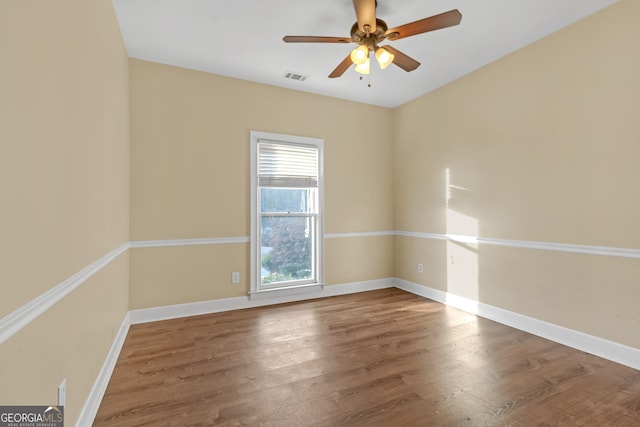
column 369, row 76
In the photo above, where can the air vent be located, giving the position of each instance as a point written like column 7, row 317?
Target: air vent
column 295, row 76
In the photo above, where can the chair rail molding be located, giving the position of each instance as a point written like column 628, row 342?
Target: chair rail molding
column 13, row 322
column 528, row 244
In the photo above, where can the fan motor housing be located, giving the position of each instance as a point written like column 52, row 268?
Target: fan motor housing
column 369, row 39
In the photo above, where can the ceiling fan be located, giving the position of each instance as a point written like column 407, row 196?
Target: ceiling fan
column 369, row 30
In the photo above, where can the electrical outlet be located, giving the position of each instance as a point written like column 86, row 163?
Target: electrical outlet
column 235, row 277
column 420, row 268
column 62, row 393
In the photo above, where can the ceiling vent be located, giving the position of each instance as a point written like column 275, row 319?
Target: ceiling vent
column 295, row 76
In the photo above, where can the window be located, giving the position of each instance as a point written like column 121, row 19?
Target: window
column 286, row 219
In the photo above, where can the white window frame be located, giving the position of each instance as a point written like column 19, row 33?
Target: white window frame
column 257, row 289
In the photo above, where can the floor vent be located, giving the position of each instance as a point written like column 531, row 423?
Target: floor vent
column 295, row 76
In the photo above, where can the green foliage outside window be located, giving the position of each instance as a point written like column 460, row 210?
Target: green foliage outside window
column 289, row 257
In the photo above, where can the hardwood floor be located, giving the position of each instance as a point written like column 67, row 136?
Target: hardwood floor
column 380, row 358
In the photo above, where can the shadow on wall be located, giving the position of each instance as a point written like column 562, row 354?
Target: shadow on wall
column 462, row 242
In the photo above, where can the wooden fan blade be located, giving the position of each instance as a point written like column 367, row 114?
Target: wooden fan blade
column 316, row 39
column 366, row 14
column 401, row 60
column 341, row 68
column 436, row 22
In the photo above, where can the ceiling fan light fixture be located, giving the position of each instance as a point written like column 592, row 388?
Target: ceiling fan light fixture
column 364, row 67
column 360, row 55
column 369, row 30
column 384, row 57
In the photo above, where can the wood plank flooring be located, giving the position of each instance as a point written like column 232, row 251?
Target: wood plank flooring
column 380, row 358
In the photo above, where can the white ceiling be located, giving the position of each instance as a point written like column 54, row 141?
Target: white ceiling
column 243, row 39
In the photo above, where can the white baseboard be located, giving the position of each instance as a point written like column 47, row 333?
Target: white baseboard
column 91, row 405
column 609, row 350
column 214, row 306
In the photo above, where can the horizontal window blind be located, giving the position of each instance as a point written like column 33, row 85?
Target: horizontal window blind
column 287, row 165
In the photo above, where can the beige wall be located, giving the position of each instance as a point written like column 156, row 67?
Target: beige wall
column 190, row 178
column 542, row 145
column 64, row 174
